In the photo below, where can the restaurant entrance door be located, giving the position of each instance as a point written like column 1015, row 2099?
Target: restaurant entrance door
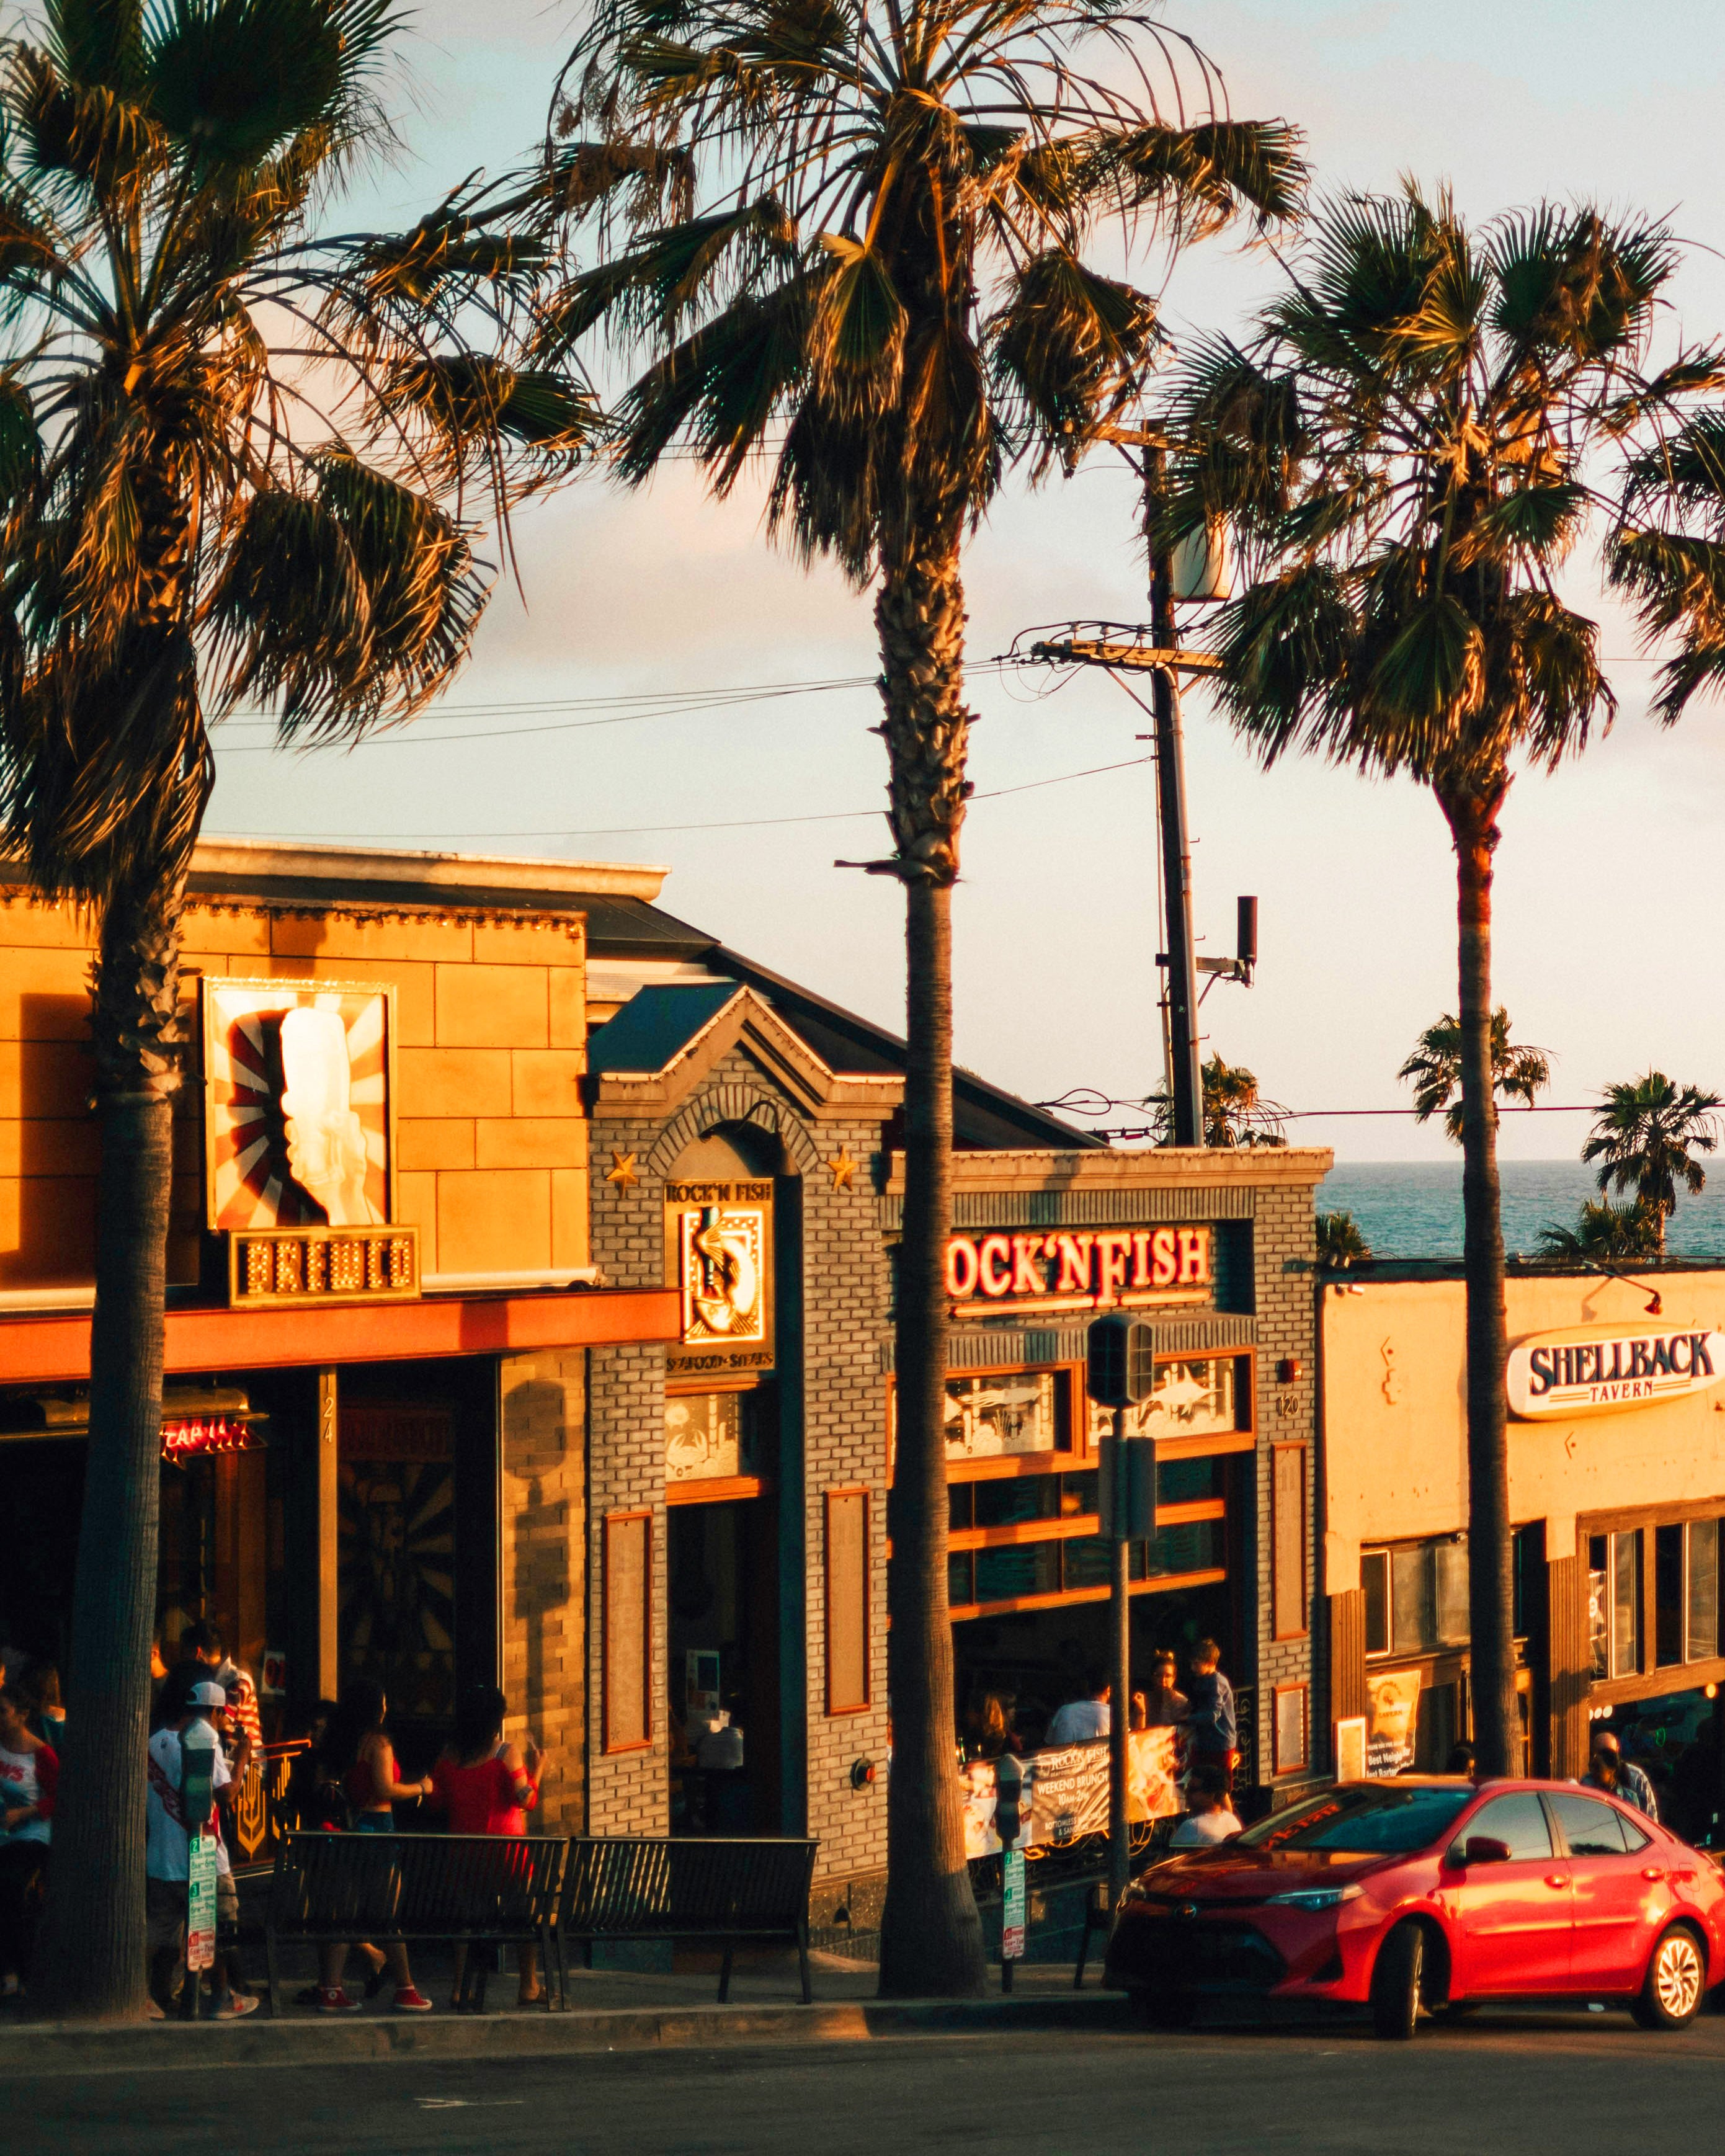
column 722, row 1682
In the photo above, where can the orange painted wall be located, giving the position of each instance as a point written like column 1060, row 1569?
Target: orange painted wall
column 491, row 1138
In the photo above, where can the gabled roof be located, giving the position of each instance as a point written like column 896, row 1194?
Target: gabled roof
column 670, row 1036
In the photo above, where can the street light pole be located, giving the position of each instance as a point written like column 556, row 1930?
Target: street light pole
column 1186, row 1104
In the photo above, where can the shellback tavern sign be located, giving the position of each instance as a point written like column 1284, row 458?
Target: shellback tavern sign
column 1088, row 1269
column 1591, row 1370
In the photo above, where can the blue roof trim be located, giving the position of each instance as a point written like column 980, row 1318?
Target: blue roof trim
column 655, row 1026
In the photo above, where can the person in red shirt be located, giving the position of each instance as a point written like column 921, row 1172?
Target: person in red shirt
column 485, row 1786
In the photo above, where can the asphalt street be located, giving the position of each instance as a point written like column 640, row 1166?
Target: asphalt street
column 1499, row 2083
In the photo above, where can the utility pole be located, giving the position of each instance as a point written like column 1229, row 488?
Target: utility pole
column 1185, row 1063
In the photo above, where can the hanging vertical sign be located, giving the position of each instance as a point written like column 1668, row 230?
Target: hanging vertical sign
column 201, row 1901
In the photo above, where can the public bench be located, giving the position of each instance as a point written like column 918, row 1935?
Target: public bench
column 471, row 1887
column 725, row 1890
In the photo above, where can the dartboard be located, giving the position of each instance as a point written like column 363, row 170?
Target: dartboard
column 254, row 1181
column 397, row 1589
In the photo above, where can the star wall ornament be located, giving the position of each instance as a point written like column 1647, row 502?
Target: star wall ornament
column 622, row 1171
column 843, row 1169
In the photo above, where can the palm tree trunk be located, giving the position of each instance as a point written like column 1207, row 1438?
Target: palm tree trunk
column 1473, row 825
column 931, row 1935
column 90, row 1964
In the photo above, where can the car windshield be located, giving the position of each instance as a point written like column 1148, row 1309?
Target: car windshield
column 1389, row 1820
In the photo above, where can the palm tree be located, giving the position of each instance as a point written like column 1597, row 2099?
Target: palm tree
column 1646, row 1138
column 1234, row 1113
column 1604, row 1230
column 1434, row 1069
column 1403, row 445
column 236, row 459
column 1340, row 1242
column 884, row 288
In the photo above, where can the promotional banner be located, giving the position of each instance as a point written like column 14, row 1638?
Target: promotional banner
column 1065, row 1792
column 1392, row 1720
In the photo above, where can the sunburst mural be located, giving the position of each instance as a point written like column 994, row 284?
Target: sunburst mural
column 298, row 1078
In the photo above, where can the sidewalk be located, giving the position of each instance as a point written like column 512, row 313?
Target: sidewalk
column 610, row 2009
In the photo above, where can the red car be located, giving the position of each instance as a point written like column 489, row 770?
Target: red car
column 1434, row 1893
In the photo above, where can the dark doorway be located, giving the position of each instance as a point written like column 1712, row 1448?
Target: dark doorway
column 723, row 1677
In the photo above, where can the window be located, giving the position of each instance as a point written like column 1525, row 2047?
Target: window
column 1668, row 1613
column 1590, row 1828
column 629, row 1580
column 1207, row 1398
column 1416, row 1596
column 1068, row 1565
column 1626, row 1604
column 1017, row 1411
column 1374, row 1579
column 1290, row 1730
column 1701, row 1639
column 1518, row 1822
column 1288, row 1534
column 1372, row 1819
column 1685, row 1558
column 847, row 1556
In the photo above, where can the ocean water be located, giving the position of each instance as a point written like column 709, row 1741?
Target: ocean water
column 1413, row 1208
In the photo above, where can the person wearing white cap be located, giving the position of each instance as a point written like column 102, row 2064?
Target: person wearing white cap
column 167, row 1862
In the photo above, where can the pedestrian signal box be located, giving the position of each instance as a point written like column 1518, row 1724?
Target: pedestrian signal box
column 1120, row 1357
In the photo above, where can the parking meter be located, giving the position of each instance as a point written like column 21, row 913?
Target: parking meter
column 198, row 1745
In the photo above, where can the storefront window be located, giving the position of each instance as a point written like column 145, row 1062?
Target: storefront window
column 1626, row 1604
column 991, row 1417
column 1416, row 1596
column 1598, row 1605
column 1200, row 1399
column 1702, row 1636
column 1074, row 1564
column 1668, row 1613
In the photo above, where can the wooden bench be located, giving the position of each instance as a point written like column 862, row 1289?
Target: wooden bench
column 472, row 1888
column 725, row 1891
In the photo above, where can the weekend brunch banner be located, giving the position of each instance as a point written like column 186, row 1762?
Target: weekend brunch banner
column 1065, row 1791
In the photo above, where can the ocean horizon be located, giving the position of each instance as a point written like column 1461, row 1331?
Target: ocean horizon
column 1413, row 1208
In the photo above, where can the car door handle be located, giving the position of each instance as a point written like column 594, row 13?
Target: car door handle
column 1652, row 1871
column 1555, row 1879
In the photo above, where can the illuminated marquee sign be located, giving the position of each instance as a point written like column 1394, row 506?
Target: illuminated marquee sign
column 299, row 1124
column 1594, row 1369
column 718, row 1239
column 1086, row 1269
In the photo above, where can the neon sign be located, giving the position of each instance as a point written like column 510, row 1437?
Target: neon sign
column 206, row 1435
column 1090, row 1269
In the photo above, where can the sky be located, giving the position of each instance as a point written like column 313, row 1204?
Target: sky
column 1608, row 889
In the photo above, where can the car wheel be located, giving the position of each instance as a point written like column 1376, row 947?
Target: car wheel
column 1677, row 1977
column 1395, row 1984
column 1165, row 2008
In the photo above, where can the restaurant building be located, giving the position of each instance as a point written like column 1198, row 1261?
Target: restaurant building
column 381, row 1296
column 1616, row 1397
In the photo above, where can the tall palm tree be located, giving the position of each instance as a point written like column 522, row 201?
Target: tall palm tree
column 1235, row 1113
column 1646, row 1139
column 1403, row 445
column 881, row 284
column 1434, row 1070
column 237, row 459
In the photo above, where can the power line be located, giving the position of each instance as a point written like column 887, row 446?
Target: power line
column 647, row 831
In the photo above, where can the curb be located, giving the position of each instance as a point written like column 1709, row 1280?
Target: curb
column 57, row 2047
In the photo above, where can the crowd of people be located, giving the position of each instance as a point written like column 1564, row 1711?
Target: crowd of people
column 1205, row 1711
column 345, row 1779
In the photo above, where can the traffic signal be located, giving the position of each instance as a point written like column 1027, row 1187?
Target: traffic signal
column 1120, row 1354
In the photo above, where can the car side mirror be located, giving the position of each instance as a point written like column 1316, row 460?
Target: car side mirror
column 1484, row 1849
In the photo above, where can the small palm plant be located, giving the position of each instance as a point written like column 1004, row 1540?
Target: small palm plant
column 1433, row 1069
column 1604, row 1230
column 238, row 458
column 1341, row 1241
column 873, row 270
column 1405, row 446
column 1646, row 1139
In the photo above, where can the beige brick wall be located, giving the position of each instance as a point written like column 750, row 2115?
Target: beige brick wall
column 490, row 1029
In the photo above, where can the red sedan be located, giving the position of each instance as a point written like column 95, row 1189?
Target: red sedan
column 1422, row 1892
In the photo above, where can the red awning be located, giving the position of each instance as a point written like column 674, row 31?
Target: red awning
column 34, row 1350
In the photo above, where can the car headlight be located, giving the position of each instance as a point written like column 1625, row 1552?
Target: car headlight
column 1315, row 1898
